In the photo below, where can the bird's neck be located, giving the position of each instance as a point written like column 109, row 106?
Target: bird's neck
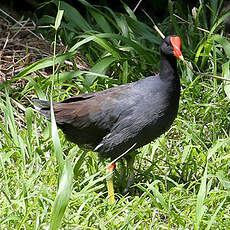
column 168, row 68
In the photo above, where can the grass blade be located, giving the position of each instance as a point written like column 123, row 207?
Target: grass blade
column 137, row 47
column 43, row 64
column 226, row 74
column 219, row 22
column 9, row 114
column 63, row 195
column 200, row 207
column 214, row 215
column 56, row 141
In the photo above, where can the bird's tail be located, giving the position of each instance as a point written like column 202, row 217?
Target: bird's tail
column 42, row 106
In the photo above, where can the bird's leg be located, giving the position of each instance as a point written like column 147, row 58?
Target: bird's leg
column 130, row 160
column 110, row 171
column 122, row 175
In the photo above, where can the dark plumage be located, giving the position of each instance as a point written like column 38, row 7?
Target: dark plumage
column 113, row 120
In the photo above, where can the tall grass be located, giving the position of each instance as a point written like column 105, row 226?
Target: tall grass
column 182, row 178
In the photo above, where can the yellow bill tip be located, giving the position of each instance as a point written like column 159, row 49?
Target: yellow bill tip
column 181, row 57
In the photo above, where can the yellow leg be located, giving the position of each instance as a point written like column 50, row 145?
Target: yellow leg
column 110, row 187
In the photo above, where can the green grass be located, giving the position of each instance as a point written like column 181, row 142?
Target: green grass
column 182, row 178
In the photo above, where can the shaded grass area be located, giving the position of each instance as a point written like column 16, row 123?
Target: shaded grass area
column 182, row 178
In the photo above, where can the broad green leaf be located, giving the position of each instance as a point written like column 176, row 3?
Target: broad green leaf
column 100, row 17
column 100, row 67
column 129, row 11
column 101, row 21
column 119, row 22
column 138, row 48
column 58, row 19
column 225, row 44
column 72, row 15
column 107, row 46
column 46, row 62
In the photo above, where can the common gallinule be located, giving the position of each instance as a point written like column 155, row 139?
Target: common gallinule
column 123, row 118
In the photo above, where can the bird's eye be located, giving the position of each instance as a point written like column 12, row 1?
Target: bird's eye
column 168, row 45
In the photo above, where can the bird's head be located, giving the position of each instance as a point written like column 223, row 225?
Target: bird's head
column 171, row 46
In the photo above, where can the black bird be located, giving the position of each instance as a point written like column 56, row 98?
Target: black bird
column 118, row 120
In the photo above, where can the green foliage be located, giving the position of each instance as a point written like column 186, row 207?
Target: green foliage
column 182, row 178
column 63, row 195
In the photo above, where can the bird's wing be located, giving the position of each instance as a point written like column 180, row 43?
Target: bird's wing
column 97, row 110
